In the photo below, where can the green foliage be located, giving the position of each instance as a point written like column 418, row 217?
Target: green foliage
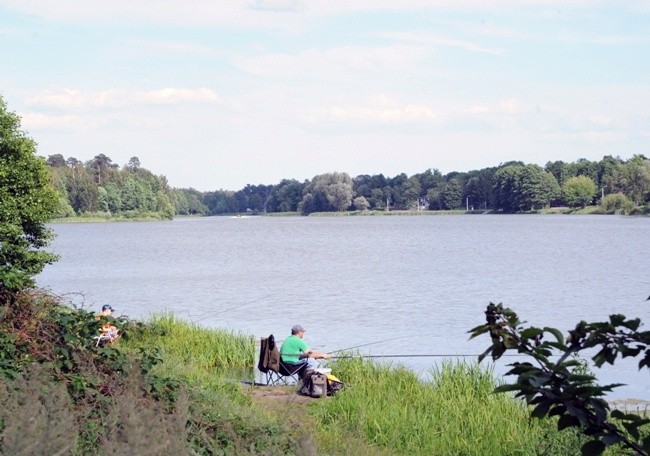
column 452, row 195
column 617, row 202
column 74, row 398
column 562, row 388
column 361, row 203
column 632, row 179
column 524, row 187
column 27, row 201
column 285, row 196
column 327, row 192
column 579, row 191
column 100, row 187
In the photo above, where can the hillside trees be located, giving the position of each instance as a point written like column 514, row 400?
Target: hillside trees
column 100, row 185
column 27, row 201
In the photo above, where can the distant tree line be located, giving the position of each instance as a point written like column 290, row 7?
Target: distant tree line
column 614, row 183
column 99, row 186
column 510, row 187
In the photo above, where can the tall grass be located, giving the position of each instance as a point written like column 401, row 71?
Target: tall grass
column 223, row 418
column 203, row 350
column 454, row 413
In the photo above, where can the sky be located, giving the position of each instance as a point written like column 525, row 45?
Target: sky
column 221, row 94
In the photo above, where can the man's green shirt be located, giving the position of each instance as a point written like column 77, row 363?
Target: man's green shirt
column 291, row 349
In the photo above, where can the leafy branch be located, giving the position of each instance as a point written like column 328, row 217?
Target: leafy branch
column 562, row 388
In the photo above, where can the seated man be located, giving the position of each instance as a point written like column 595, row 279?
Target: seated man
column 295, row 352
column 109, row 332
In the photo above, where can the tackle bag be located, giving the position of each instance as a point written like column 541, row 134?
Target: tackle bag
column 319, row 384
column 333, row 385
column 314, row 384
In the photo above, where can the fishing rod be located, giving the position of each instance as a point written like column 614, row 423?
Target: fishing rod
column 374, row 343
column 411, row 356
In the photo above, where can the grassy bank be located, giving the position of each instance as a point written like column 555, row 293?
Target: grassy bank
column 157, row 391
column 172, row 387
column 454, row 412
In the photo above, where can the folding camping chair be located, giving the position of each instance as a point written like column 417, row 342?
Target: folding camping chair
column 276, row 372
column 102, row 340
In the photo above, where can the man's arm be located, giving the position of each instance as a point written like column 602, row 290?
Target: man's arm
column 316, row 355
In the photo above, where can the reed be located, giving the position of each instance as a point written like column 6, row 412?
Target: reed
column 206, row 350
column 455, row 412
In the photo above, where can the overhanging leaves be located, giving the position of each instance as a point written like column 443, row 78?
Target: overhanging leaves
column 558, row 383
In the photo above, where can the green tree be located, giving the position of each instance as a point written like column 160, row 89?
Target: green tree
column 452, row 195
column 555, row 383
column 99, row 165
column 133, row 164
column 284, row 197
column 83, row 192
column 327, row 192
column 479, row 187
column 537, row 188
column 377, row 199
column 361, row 203
column 615, row 202
column 411, row 191
column 113, row 197
column 524, row 187
column 560, row 170
column 579, row 191
column 633, row 179
column 27, row 201
column 584, row 167
column 56, row 161
column 506, row 188
column 606, row 168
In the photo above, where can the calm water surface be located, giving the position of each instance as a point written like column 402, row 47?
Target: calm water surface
column 397, row 285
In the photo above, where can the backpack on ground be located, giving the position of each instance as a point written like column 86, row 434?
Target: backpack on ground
column 333, row 385
column 314, row 384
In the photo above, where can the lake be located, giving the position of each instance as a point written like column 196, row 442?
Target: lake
column 393, row 285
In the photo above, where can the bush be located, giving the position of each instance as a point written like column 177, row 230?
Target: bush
column 617, row 202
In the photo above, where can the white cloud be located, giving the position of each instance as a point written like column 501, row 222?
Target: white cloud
column 38, row 121
column 178, row 96
column 398, row 114
column 509, row 106
column 341, row 63
column 439, row 40
column 379, row 110
column 72, row 100
column 278, row 5
column 248, row 13
column 165, row 48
